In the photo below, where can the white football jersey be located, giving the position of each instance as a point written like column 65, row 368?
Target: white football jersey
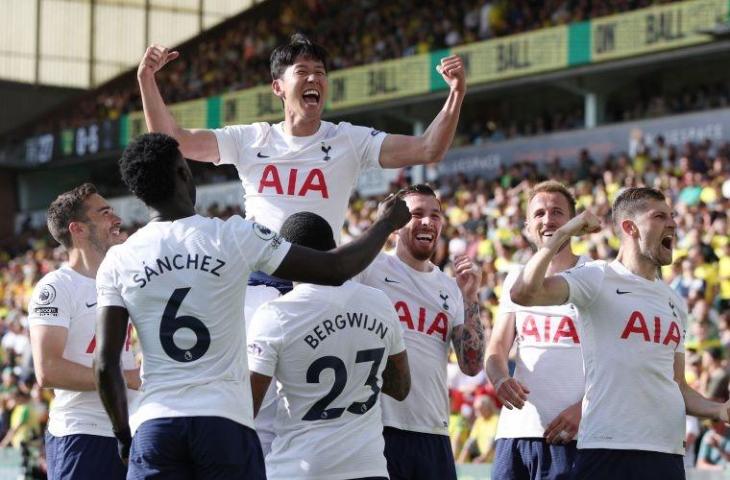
column 327, row 347
column 429, row 305
column 630, row 330
column 283, row 174
column 65, row 298
column 549, row 362
column 183, row 283
column 256, row 296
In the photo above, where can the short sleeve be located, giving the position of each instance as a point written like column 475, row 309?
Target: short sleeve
column 234, row 140
column 50, row 304
column 396, row 344
column 584, row 283
column 108, row 293
column 367, row 143
column 506, row 305
column 265, row 340
column 263, row 249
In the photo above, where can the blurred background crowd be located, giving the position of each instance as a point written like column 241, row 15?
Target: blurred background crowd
column 484, row 219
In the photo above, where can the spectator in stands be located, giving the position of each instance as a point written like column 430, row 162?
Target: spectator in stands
column 479, row 447
column 714, row 451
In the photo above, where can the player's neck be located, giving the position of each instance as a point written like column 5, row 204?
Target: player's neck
column 636, row 263
column 170, row 213
column 300, row 127
column 405, row 256
column 85, row 261
column 564, row 260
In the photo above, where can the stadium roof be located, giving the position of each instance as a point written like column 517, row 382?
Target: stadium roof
column 83, row 43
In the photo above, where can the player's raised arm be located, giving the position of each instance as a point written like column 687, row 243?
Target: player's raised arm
column 531, row 286
column 334, row 267
column 111, row 330
column 198, row 145
column 404, row 150
column 468, row 339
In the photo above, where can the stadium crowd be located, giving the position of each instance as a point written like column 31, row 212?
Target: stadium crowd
column 484, row 219
column 237, row 56
column 504, row 123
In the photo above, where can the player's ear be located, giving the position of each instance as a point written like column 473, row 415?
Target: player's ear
column 628, row 227
column 76, row 228
column 277, row 86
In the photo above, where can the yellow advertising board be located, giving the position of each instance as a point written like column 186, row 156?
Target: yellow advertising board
column 656, row 28
column 516, row 55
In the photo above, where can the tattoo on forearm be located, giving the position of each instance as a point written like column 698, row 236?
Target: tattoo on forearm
column 469, row 341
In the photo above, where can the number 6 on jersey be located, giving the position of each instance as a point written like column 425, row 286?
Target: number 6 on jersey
column 171, row 324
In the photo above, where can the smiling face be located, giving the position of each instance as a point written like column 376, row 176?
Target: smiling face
column 303, row 88
column 546, row 212
column 420, row 236
column 103, row 225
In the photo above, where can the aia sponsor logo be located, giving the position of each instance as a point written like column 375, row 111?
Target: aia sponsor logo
column 652, row 330
column 420, row 320
column 300, row 184
column 544, row 329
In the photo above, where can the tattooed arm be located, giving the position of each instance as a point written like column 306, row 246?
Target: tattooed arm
column 397, row 376
column 468, row 339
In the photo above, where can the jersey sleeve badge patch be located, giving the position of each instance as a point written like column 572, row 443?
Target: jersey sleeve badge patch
column 46, row 294
column 262, row 232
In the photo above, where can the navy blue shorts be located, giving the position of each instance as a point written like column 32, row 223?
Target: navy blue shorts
column 418, row 456
column 260, row 278
column 78, row 456
column 532, row 459
column 195, row 447
column 604, row 464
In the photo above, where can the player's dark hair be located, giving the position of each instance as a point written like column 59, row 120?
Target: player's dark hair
column 552, row 186
column 308, row 230
column 148, row 167
column 66, row 208
column 632, row 201
column 419, row 189
column 286, row 55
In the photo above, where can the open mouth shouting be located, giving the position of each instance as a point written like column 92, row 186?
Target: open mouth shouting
column 667, row 242
column 311, row 97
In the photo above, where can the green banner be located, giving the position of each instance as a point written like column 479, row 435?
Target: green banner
column 654, row 29
column 379, row 82
column 258, row 104
column 191, row 114
column 516, row 55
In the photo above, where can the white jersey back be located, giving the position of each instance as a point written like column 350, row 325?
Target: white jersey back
column 283, row 174
column 429, row 305
column 549, row 363
column 183, row 283
column 65, row 298
column 630, row 329
column 327, row 347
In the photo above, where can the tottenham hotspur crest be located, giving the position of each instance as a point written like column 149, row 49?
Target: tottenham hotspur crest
column 444, row 297
column 326, row 150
